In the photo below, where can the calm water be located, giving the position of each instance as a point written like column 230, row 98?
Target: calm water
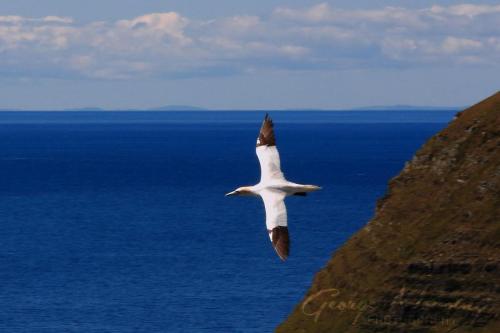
column 117, row 222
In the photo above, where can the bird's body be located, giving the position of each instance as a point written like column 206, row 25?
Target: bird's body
column 273, row 188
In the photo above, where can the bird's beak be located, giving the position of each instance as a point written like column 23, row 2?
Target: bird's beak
column 231, row 193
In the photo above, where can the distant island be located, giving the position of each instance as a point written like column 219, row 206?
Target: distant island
column 87, row 108
column 178, row 108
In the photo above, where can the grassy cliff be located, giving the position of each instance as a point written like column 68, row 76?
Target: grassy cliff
column 429, row 260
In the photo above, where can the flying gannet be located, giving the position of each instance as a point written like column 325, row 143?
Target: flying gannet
column 273, row 188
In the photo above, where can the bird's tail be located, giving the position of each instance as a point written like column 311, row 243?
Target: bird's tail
column 304, row 189
column 311, row 188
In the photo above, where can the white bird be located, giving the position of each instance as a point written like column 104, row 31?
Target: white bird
column 273, row 188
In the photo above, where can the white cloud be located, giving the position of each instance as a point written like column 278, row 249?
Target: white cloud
column 455, row 45
column 317, row 37
column 58, row 19
column 27, row 33
column 469, row 10
column 241, row 23
column 324, row 13
column 317, row 13
column 156, row 26
column 11, row 19
column 19, row 19
column 294, row 51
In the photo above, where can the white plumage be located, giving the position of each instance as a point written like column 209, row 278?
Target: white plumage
column 270, row 165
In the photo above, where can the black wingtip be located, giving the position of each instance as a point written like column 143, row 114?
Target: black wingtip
column 268, row 119
column 281, row 241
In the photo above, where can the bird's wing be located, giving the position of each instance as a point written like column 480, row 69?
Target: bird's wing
column 267, row 152
column 276, row 221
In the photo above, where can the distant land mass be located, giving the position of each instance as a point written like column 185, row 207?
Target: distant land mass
column 178, row 108
column 429, row 260
column 406, row 108
column 87, row 108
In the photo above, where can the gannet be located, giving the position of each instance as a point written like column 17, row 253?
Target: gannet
column 273, row 188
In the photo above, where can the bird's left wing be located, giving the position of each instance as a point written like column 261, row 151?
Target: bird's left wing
column 276, row 221
column 269, row 158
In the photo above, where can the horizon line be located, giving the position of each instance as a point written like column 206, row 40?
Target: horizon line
column 368, row 108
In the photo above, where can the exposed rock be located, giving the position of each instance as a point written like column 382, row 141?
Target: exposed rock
column 429, row 260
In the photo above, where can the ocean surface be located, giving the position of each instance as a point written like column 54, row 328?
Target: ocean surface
column 117, row 221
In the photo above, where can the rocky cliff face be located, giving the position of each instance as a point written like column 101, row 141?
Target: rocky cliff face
column 429, row 261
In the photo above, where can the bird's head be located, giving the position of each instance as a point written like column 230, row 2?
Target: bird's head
column 242, row 191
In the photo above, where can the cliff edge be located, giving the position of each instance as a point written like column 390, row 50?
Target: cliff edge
column 429, row 260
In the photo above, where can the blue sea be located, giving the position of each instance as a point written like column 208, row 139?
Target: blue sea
column 117, row 221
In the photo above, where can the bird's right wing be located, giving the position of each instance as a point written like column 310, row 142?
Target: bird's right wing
column 276, row 221
column 269, row 158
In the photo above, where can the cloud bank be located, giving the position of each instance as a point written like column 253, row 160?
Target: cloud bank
column 315, row 38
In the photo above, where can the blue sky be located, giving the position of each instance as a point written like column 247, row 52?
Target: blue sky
column 230, row 54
